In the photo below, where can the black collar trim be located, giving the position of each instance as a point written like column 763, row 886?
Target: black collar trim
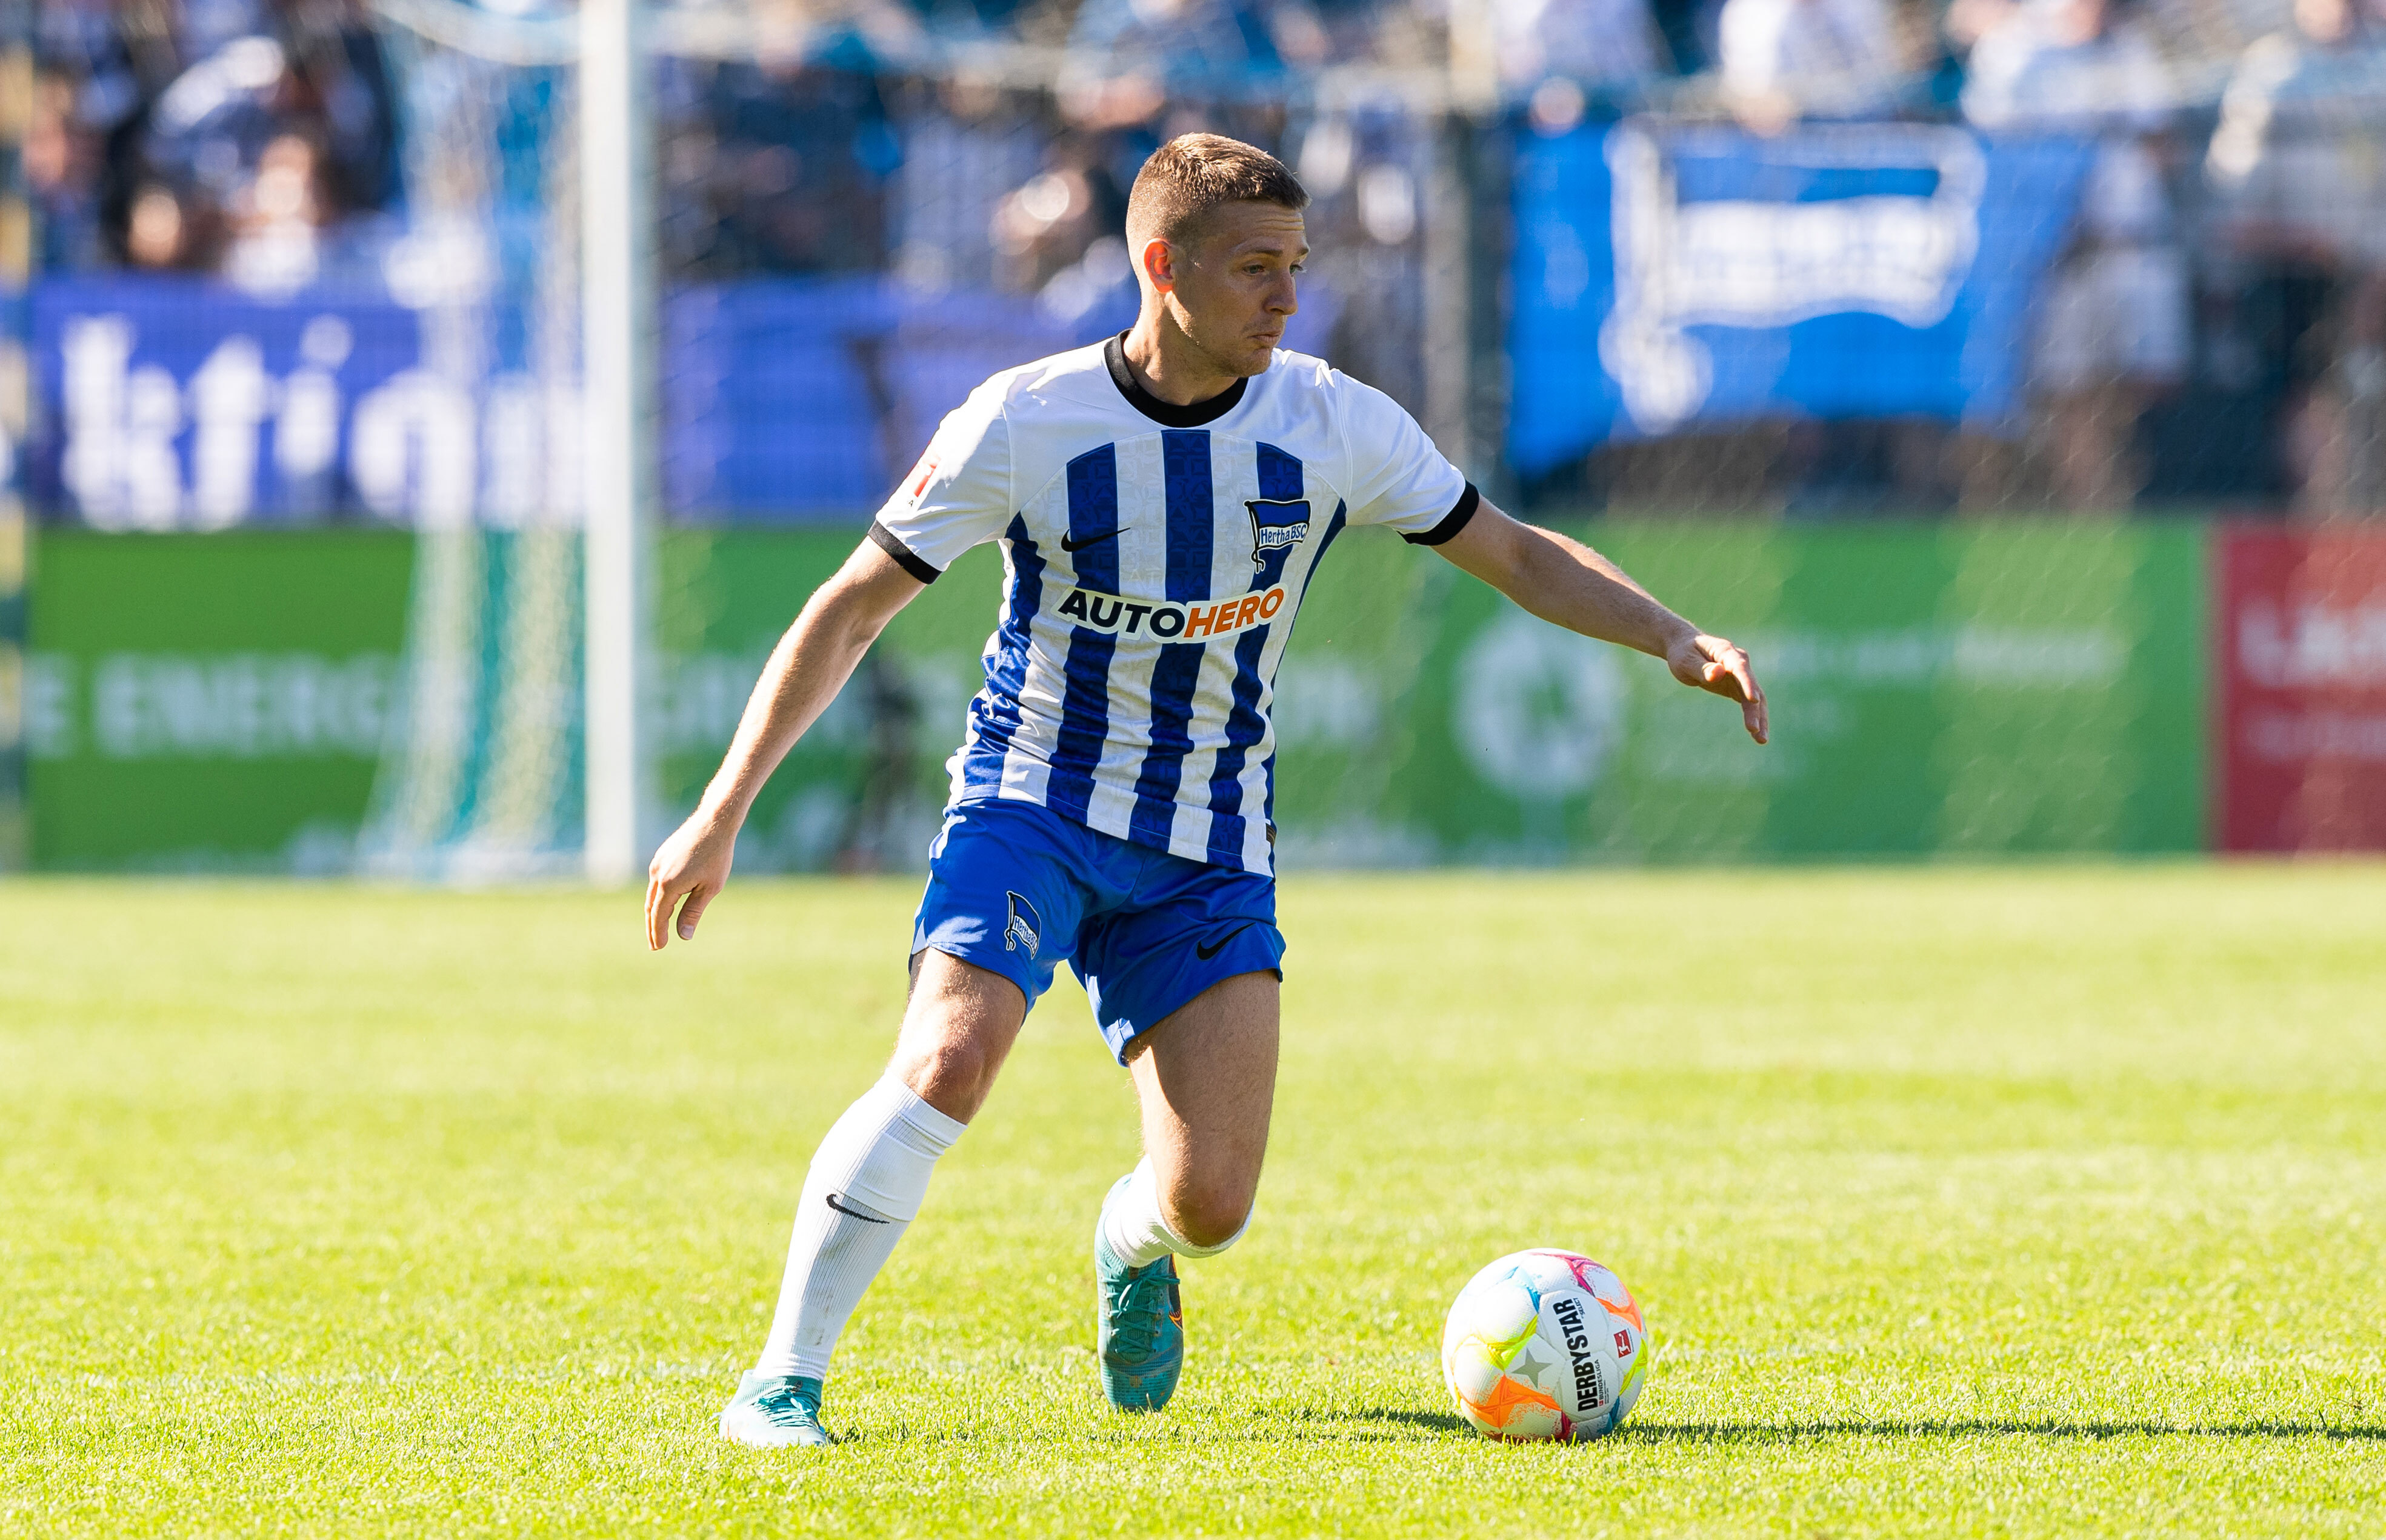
column 1167, row 413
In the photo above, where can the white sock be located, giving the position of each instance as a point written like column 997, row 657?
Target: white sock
column 1134, row 1231
column 875, row 1164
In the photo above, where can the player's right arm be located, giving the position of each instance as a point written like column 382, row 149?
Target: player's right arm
column 957, row 497
column 807, row 668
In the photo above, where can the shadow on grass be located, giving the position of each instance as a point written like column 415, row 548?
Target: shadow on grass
column 1789, row 1432
column 1389, row 1425
column 1757, row 1434
column 1433, row 1421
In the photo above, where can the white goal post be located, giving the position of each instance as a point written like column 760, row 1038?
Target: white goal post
column 618, row 343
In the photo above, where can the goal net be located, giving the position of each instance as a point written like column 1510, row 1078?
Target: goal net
column 481, row 777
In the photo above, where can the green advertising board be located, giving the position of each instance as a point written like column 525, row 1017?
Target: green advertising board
column 1991, row 689
column 212, row 702
column 1987, row 689
column 219, row 701
column 15, row 832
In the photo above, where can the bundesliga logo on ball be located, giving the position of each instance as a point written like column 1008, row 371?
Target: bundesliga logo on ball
column 1544, row 1345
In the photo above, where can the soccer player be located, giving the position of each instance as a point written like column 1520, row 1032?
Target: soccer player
column 1162, row 501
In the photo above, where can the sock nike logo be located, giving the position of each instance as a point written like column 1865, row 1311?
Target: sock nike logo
column 1206, row 952
column 1071, row 543
column 867, row 1219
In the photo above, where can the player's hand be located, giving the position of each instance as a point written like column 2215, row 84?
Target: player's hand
column 1712, row 664
column 694, row 865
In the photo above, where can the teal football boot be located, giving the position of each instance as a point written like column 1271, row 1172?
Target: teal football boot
column 775, row 1412
column 1138, row 1330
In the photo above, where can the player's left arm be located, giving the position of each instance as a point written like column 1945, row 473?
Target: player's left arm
column 1568, row 583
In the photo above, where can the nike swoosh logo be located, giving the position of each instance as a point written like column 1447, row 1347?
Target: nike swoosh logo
column 1071, row 543
column 866, row 1219
column 1206, row 952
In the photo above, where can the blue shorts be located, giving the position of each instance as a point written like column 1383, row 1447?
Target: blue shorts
column 1018, row 889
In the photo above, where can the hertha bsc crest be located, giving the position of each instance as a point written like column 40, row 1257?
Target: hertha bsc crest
column 1019, row 928
column 1275, row 526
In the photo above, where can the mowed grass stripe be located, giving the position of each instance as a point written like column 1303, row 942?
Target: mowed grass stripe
column 1987, row 1201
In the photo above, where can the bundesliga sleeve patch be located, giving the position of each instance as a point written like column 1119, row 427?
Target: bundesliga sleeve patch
column 921, row 473
column 1114, row 616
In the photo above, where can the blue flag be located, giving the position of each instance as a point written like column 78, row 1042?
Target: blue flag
column 1671, row 278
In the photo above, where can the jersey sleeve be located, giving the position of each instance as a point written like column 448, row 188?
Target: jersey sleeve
column 1397, row 477
column 959, row 496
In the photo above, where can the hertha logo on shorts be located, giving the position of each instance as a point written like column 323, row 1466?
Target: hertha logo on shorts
column 1019, row 928
column 1276, row 525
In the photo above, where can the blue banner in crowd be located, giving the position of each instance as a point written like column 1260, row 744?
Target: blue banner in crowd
column 173, row 403
column 177, row 402
column 791, row 397
column 1669, row 278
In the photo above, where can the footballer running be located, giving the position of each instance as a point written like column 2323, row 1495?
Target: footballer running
column 1162, row 501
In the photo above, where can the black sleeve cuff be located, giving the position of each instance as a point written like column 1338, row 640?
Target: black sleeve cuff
column 1453, row 521
column 892, row 543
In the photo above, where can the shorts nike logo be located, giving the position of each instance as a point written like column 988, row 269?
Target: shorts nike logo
column 1206, row 952
column 866, row 1219
column 1071, row 543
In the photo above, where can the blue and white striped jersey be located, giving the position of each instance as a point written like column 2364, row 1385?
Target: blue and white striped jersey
column 1154, row 556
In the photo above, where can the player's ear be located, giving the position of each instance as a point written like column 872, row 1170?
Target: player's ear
column 1159, row 264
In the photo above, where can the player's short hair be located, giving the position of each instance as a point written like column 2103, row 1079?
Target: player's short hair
column 1194, row 175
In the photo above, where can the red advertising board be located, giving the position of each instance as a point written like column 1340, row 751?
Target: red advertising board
column 2300, row 628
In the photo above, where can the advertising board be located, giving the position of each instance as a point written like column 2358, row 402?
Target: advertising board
column 169, row 402
column 2300, row 729
column 1998, row 691
column 223, row 702
column 1992, row 691
column 15, row 833
column 210, row 703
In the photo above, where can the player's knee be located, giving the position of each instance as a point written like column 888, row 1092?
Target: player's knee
column 1209, row 1219
column 952, row 1075
column 955, row 1036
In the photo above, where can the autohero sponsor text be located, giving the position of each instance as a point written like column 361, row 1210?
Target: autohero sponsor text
column 1170, row 622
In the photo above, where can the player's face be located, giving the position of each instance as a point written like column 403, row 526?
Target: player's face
column 1234, row 289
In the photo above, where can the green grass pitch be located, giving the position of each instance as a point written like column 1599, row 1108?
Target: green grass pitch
column 1983, row 1202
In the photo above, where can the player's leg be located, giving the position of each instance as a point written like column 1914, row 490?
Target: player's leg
column 1206, row 1079
column 1000, row 913
column 870, row 1174
column 867, row 1181
column 1184, row 980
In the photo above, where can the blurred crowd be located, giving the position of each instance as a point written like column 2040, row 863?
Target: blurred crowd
column 251, row 138
column 2225, row 283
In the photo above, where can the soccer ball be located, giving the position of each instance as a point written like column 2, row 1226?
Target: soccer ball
column 1544, row 1345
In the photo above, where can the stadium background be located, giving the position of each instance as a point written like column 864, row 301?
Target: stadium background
column 2010, row 377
